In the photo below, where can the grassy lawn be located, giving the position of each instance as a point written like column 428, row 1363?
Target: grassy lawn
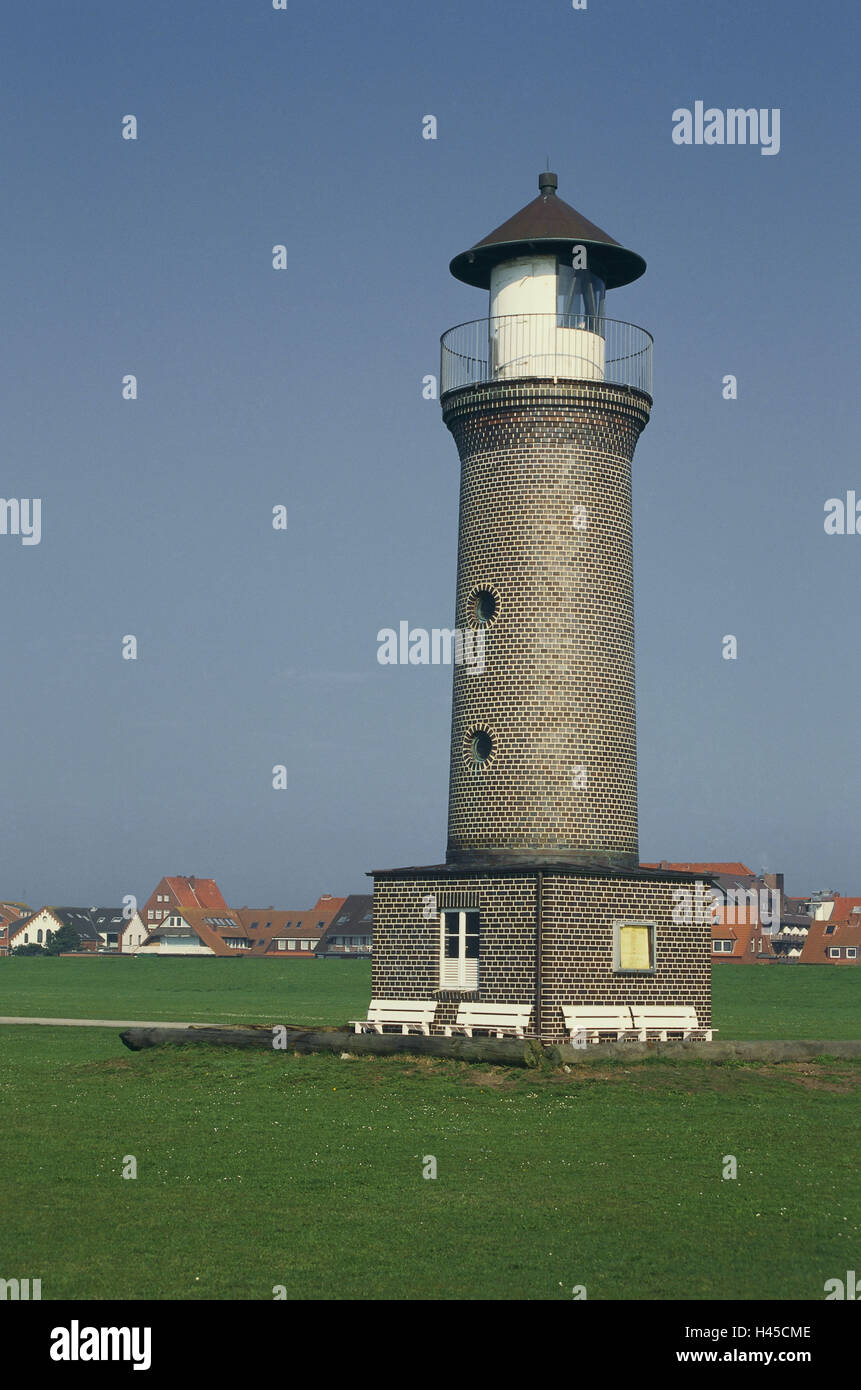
column 786, row 1001
column 260, row 1169
column 750, row 1001
column 257, row 1169
column 216, row 990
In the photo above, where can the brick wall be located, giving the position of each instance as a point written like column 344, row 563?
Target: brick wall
column 557, row 690
column 578, row 948
column 577, row 943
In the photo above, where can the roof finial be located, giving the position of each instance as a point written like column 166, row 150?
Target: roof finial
column 547, row 183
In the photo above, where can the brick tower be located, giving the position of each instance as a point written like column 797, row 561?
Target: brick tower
column 541, row 899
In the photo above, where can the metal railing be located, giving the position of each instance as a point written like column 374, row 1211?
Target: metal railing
column 570, row 347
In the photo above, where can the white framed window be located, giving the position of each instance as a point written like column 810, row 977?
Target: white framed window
column 291, row 945
column 149, row 914
column 460, row 936
column 634, row 948
column 834, row 952
column 719, row 945
column 851, row 952
column 306, row 945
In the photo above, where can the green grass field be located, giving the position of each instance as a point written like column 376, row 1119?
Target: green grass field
column 256, row 1170
column 217, row 990
column 750, row 1001
column 264, row 1169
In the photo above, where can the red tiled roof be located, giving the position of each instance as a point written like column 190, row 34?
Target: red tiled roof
column 745, row 932
column 13, row 912
column 196, row 892
column 266, row 924
column 819, row 938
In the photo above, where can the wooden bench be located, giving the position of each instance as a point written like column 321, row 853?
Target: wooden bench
column 666, row 1018
column 405, row 1014
column 629, row 1021
column 505, row 1020
column 586, row 1022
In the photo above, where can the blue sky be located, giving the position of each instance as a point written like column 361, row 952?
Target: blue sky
column 303, row 388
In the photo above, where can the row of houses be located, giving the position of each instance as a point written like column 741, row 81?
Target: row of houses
column 753, row 921
column 188, row 916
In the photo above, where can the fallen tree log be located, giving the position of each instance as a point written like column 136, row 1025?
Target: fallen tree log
column 509, row 1052
column 764, row 1050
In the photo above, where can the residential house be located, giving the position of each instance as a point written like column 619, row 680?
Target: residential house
column 834, row 936
column 110, row 923
column 39, row 927
column 197, row 932
column 133, row 934
column 179, row 892
column 795, row 922
column 11, row 915
column 286, row 933
column 747, row 913
column 738, row 934
column 746, row 916
column 351, row 931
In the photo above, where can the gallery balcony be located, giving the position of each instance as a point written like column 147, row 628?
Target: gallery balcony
column 549, row 347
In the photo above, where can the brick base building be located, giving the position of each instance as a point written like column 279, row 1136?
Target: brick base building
column 548, row 935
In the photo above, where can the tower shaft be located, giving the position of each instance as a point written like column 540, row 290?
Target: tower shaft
column 543, row 746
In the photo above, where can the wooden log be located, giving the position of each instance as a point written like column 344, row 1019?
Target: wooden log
column 766, row 1050
column 509, row 1052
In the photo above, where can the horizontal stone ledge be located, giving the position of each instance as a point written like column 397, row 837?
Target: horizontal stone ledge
column 773, row 1050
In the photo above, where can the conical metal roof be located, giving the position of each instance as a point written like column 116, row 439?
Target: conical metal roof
column 548, row 226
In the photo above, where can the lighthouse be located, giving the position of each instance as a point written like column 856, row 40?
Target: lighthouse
column 541, row 900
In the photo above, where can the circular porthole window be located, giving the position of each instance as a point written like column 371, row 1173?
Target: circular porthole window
column 479, row 747
column 482, row 606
